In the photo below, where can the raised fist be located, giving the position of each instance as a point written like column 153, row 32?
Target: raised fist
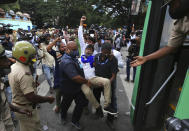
column 83, row 18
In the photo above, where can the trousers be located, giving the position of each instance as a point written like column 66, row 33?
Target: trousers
column 80, row 102
column 6, row 123
column 29, row 123
column 48, row 71
column 128, row 70
column 96, row 83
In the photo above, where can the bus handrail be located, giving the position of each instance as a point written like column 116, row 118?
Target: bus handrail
column 163, row 85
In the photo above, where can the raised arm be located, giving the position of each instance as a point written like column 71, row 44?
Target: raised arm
column 80, row 35
column 50, row 46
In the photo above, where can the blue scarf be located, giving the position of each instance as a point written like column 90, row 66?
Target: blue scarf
column 88, row 59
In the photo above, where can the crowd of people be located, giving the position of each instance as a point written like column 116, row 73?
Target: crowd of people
column 78, row 64
column 12, row 15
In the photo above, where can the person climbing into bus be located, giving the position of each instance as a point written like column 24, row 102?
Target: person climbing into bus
column 178, row 10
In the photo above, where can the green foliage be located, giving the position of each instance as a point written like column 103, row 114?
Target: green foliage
column 12, row 6
column 60, row 13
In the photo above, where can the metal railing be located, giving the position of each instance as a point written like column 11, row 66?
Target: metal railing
column 163, row 86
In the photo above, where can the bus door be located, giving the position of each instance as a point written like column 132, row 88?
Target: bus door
column 156, row 81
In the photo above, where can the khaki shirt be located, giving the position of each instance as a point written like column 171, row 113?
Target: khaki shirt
column 179, row 32
column 48, row 59
column 21, row 81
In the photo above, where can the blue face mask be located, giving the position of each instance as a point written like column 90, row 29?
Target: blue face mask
column 74, row 54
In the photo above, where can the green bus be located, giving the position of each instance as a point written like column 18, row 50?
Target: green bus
column 160, row 95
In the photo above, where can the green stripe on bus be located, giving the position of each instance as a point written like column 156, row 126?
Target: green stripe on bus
column 135, row 90
column 182, row 109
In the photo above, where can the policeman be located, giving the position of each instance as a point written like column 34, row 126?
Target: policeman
column 23, row 86
column 6, row 123
column 180, row 12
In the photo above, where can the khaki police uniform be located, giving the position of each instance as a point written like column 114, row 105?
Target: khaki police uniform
column 6, row 123
column 179, row 32
column 22, row 83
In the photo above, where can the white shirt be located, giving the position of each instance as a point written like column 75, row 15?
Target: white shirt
column 133, row 37
column 97, row 48
column 117, row 54
column 64, row 41
column 118, row 42
column 82, row 43
column 89, row 72
column 8, row 53
column 129, row 43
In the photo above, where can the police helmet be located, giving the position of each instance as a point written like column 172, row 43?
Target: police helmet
column 23, row 52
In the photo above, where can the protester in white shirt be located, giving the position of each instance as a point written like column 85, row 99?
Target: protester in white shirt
column 82, row 43
column 118, row 42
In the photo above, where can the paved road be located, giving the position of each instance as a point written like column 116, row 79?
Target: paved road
column 51, row 120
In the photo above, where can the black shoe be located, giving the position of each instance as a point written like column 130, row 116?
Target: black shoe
column 99, row 113
column 76, row 125
column 110, row 110
column 127, row 80
column 132, row 81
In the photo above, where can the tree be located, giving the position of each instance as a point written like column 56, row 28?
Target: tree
column 118, row 10
column 60, row 13
column 11, row 6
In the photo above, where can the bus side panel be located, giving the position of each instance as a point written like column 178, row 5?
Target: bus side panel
column 135, row 90
column 182, row 109
column 148, row 70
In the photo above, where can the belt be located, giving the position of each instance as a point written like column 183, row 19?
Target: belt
column 31, row 104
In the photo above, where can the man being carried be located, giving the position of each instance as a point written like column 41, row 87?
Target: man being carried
column 87, row 62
